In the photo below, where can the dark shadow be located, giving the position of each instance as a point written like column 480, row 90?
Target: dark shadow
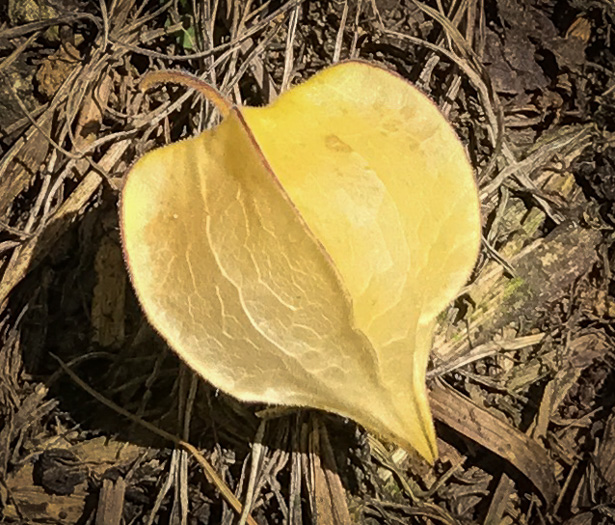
column 141, row 375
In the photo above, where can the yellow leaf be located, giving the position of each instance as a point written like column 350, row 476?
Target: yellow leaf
column 299, row 253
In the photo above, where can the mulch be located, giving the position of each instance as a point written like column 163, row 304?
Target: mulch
column 101, row 423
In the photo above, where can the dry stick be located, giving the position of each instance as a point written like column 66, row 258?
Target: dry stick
column 25, row 111
column 495, row 255
column 58, row 184
column 153, row 118
column 377, row 13
column 260, row 9
column 441, row 11
column 236, row 29
column 565, row 486
column 254, row 54
column 471, row 18
column 289, row 55
column 83, row 358
column 257, row 454
column 499, row 214
column 149, row 381
column 18, row 50
column 549, row 149
column 44, row 24
column 153, row 34
column 470, row 9
column 8, row 245
column 382, row 456
column 182, row 479
column 22, row 234
column 499, row 501
column 199, row 30
column 480, row 45
column 194, row 385
column 105, row 17
column 17, row 255
column 210, row 472
column 207, row 33
column 294, row 496
column 181, row 485
column 140, row 21
column 166, row 486
column 451, row 95
column 485, row 350
column 76, row 96
column 339, row 39
column 24, row 121
column 355, row 34
column 204, row 54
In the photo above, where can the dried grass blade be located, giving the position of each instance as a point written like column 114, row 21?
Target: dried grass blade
column 210, row 472
column 496, row 435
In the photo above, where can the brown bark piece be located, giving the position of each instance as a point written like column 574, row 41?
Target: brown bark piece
column 55, row 68
column 31, row 503
column 111, row 502
column 19, row 165
column 544, row 273
column 500, row 501
column 330, row 506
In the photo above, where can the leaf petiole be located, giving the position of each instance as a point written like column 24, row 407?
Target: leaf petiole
column 214, row 96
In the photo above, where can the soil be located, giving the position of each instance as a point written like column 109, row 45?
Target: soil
column 522, row 375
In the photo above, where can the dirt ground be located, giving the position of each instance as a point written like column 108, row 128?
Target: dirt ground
column 522, row 375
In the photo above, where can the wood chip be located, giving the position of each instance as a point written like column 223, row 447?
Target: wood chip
column 329, row 501
column 111, row 502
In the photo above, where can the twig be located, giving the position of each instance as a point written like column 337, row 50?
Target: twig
column 257, row 454
column 44, row 24
column 289, row 55
column 211, row 474
column 25, row 111
column 105, row 17
column 17, row 51
column 207, row 53
column 355, row 33
column 339, row 39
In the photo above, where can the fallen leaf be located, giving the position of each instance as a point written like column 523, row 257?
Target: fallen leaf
column 299, row 253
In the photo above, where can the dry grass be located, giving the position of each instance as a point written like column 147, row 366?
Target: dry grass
column 526, row 430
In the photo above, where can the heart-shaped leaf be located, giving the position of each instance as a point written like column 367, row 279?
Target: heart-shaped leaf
column 299, row 253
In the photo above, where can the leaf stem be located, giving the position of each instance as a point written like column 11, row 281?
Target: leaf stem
column 214, row 96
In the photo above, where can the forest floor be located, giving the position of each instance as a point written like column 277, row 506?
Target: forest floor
column 522, row 373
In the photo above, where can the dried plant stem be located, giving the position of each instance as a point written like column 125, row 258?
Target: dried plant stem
column 210, row 472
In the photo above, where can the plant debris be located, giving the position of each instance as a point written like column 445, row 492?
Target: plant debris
column 522, row 370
